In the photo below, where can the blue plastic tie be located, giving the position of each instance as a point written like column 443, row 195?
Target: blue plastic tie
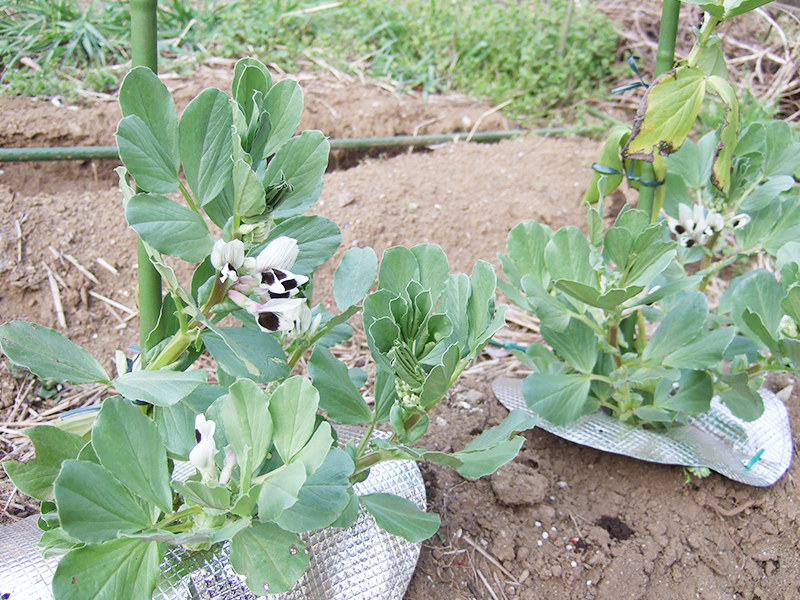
column 754, row 459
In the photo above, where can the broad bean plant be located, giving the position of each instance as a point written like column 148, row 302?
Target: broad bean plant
column 652, row 317
column 262, row 443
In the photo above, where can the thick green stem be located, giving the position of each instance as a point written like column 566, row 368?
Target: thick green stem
column 705, row 34
column 173, row 350
column 181, row 514
column 665, row 59
column 144, row 52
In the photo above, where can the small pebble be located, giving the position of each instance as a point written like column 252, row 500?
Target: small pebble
column 589, row 583
column 562, row 484
column 538, row 524
column 569, row 546
column 545, row 535
column 538, row 542
column 553, row 529
column 573, row 564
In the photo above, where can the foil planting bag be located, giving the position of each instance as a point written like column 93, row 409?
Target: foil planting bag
column 362, row 562
column 757, row 453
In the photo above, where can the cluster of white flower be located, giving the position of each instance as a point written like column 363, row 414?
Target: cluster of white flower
column 202, row 455
column 695, row 226
column 268, row 278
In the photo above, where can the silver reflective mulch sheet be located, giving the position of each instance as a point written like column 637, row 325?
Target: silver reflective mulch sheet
column 756, row 453
column 360, row 563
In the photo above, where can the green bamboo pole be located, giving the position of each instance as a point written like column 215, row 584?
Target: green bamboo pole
column 111, row 152
column 144, row 52
column 665, row 59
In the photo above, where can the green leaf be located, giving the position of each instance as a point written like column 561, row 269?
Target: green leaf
column 48, row 354
column 782, row 155
column 206, row 144
column 293, row 407
column 314, row 452
column 127, row 443
column 247, row 420
column 666, row 114
column 249, row 197
column 576, row 344
column 217, row 498
column 648, row 261
column 767, row 193
column 734, row 8
column 318, row 239
column 249, row 76
column 176, row 423
column 454, row 301
column 693, row 395
column 385, row 394
column 761, row 294
column 270, row 558
column 93, row 506
column 302, row 160
column 567, row 256
column 147, row 136
column 590, row 295
column 683, row 323
column 713, row 8
column 398, row 267
column 609, row 158
column 159, row 388
column 169, row 227
column 248, row 353
column 401, row 517
column 53, row 446
column 494, row 447
column 339, row 397
column 663, row 291
column 434, row 270
column 280, row 490
column 791, row 303
column 729, row 133
column 481, row 301
column 323, row 497
column 549, row 310
column 711, row 59
column 525, row 246
column 284, row 102
column 116, row 569
column 703, row 352
column 354, row 276
column 560, row 399
column 743, row 402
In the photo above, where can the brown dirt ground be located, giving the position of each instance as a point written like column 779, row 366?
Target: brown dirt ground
column 678, row 541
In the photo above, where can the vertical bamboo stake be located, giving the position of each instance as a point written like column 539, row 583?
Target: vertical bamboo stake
column 144, row 52
column 562, row 42
column 665, row 58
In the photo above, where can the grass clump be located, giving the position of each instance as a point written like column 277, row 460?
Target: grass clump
column 494, row 50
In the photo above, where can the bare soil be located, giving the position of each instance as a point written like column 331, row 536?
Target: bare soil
column 561, row 521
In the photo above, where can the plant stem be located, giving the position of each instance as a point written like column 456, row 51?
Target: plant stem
column 144, row 52
column 187, row 512
column 172, row 351
column 665, row 58
column 705, row 34
column 216, row 296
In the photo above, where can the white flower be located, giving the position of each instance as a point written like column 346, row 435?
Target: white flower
column 691, row 227
column 228, row 258
column 230, row 463
column 202, row 455
column 715, row 221
column 740, row 220
column 302, row 319
column 272, row 268
column 270, row 315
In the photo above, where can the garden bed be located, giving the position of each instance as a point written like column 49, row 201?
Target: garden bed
column 561, row 521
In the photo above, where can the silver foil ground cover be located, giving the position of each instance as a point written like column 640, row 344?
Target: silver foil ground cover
column 757, row 453
column 359, row 563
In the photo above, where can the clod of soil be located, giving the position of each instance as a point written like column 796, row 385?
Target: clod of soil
column 615, row 527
